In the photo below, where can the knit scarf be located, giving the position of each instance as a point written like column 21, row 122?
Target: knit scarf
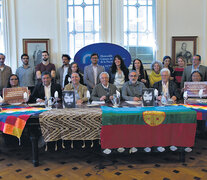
column 154, row 77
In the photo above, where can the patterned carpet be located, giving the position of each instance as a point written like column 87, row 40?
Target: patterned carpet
column 89, row 163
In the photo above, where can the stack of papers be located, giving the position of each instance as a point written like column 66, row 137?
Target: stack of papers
column 134, row 102
column 98, row 102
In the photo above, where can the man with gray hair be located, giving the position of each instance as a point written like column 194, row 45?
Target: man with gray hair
column 5, row 72
column 132, row 89
column 79, row 89
column 166, row 87
column 103, row 91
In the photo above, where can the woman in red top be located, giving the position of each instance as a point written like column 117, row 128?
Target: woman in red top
column 178, row 72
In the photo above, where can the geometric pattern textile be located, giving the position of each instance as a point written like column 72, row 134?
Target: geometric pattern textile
column 14, row 118
column 71, row 124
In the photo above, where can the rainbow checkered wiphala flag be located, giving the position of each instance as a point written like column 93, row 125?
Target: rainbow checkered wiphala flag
column 13, row 119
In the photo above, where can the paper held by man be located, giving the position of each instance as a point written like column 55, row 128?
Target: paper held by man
column 15, row 95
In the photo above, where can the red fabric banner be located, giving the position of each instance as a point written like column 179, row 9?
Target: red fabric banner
column 127, row 136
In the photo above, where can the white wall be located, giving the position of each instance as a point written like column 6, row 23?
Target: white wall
column 182, row 18
column 47, row 19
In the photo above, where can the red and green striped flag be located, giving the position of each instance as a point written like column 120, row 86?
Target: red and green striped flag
column 147, row 127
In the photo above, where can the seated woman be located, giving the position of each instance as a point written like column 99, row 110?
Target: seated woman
column 155, row 76
column 75, row 69
column 196, row 76
column 167, row 64
column 178, row 72
column 142, row 74
column 167, row 87
column 79, row 89
column 118, row 72
column 13, row 81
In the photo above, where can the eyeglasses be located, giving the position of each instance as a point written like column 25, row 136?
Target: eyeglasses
column 13, row 79
column 133, row 75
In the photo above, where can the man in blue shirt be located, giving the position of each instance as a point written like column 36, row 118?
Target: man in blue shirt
column 26, row 73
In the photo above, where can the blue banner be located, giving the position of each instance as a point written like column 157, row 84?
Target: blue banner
column 106, row 52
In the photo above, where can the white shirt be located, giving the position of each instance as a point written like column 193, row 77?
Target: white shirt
column 119, row 80
column 65, row 72
column 47, row 91
column 165, row 89
column 95, row 74
column 106, row 87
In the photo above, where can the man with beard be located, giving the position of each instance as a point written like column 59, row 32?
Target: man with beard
column 132, row 89
column 26, row 73
column 5, row 72
column 64, row 70
column 45, row 65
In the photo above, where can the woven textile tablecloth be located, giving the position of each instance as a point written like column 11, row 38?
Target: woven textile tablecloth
column 71, row 124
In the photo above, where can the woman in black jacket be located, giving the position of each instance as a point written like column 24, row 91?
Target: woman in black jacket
column 142, row 74
column 75, row 69
column 118, row 72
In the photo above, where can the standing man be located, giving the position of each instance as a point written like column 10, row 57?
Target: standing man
column 92, row 72
column 5, row 72
column 45, row 65
column 64, row 70
column 195, row 67
column 132, row 89
column 26, row 73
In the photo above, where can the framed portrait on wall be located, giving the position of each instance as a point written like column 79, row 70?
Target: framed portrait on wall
column 34, row 48
column 184, row 46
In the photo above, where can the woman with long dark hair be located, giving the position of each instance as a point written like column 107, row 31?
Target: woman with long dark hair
column 74, row 69
column 167, row 64
column 142, row 74
column 13, row 81
column 118, row 72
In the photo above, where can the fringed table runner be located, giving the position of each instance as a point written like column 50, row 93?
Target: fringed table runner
column 201, row 110
column 71, row 124
column 14, row 118
column 148, row 127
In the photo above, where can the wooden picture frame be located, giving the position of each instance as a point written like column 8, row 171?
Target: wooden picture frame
column 185, row 46
column 34, row 48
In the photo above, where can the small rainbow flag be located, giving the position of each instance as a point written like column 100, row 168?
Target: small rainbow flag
column 13, row 119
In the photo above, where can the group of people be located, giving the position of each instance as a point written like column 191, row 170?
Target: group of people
column 44, row 80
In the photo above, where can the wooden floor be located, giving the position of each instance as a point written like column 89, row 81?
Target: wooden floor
column 15, row 163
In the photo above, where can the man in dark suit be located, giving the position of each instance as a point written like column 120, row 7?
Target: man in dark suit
column 195, row 67
column 45, row 89
column 167, row 87
column 92, row 72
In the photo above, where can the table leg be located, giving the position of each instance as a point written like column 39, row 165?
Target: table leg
column 35, row 156
column 182, row 155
